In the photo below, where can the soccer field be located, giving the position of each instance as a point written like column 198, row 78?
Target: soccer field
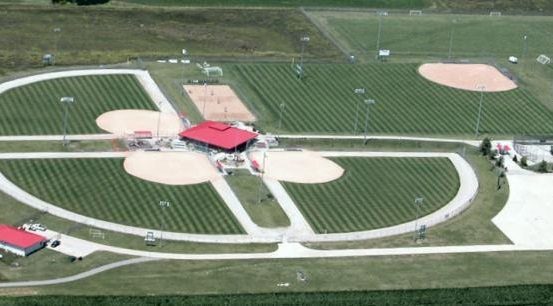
column 324, row 102
column 35, row 109
column 375, row 193
column 430, row 35
column 100, row 188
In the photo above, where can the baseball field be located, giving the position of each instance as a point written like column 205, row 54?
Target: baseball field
column 255, row 231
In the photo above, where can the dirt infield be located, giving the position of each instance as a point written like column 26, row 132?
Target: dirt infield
column 171, row 168
column 127, row 121
column 222, row 104
column 298, row 166
column 467, row 76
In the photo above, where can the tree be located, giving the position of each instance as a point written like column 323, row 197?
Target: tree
column 486, row 146
column 524, row 161
column 500, row 162
column 542, row 167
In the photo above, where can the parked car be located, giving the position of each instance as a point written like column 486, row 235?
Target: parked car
column 55, row 243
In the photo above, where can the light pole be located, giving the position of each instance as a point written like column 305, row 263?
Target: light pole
column 482, row 88
column 368, row 103
column 358, row 91
column 261, row 179
column 58, row 35
column 304, row 40
column 378, row 35
column 282, row 107
column 525, row 45
column 205, row 99
column 418, row 204
column 158, row 119
column 451, row 32
column 66, row 101
column 164, row 205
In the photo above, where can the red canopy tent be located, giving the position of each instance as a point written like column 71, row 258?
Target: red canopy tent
column 218, row 134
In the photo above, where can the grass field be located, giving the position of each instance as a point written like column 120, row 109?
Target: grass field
column 100, row 188
column 375, row 193
column 473, row 226
column 337, row 274
column 103, row 35
column 35, row 109
column 406, row 102
column 474, row 36
column 47, row 264
column 267, row 212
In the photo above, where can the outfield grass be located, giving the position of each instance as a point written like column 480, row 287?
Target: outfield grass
column 406, row 102
column 100, row 188
column 35, row 109
column 262, row 207
column 375, row 193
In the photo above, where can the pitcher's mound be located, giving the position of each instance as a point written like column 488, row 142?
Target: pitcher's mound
column 127, row 121
column 467, row 76
column 171, row 168
column 298, row 166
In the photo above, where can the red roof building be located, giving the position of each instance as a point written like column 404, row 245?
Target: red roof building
column 19, row 241
column 218, row 134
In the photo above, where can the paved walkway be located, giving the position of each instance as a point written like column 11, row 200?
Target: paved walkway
column 300, row 231
column 475, row 143
column 79, row 276
column 62, row 155
column 58, row 137
column 299, row 227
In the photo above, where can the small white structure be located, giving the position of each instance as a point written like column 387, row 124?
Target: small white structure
column 19, row 241
column 513, row 59
column 543, row 59
column 415, row 13
column 215, row 70
column 383, row 53
column 495, row 14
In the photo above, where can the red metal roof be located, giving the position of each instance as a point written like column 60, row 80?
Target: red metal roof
column 19, row 238
column 218, row 134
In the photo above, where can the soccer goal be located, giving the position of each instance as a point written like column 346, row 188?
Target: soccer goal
column 495, row 14
column 415, row 13
column 96, row 234
column 543, row 59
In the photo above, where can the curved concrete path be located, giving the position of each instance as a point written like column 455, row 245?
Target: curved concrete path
column 78, row 276
column 298, row 232
column 142, row 76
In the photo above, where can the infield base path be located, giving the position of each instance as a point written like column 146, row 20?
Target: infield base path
column 298, row 166
column 467, row 76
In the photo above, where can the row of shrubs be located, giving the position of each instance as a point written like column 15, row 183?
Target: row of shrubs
column 80, row 2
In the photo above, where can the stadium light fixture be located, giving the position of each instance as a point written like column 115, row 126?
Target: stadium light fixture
column 66, row 101
column 481, row 88
column 418, row 203
column 261, row 178
column 304, row 40
column 357, row 91
column 282, row 106
column 164, row 205
column 378, row 35
column 368, row 103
